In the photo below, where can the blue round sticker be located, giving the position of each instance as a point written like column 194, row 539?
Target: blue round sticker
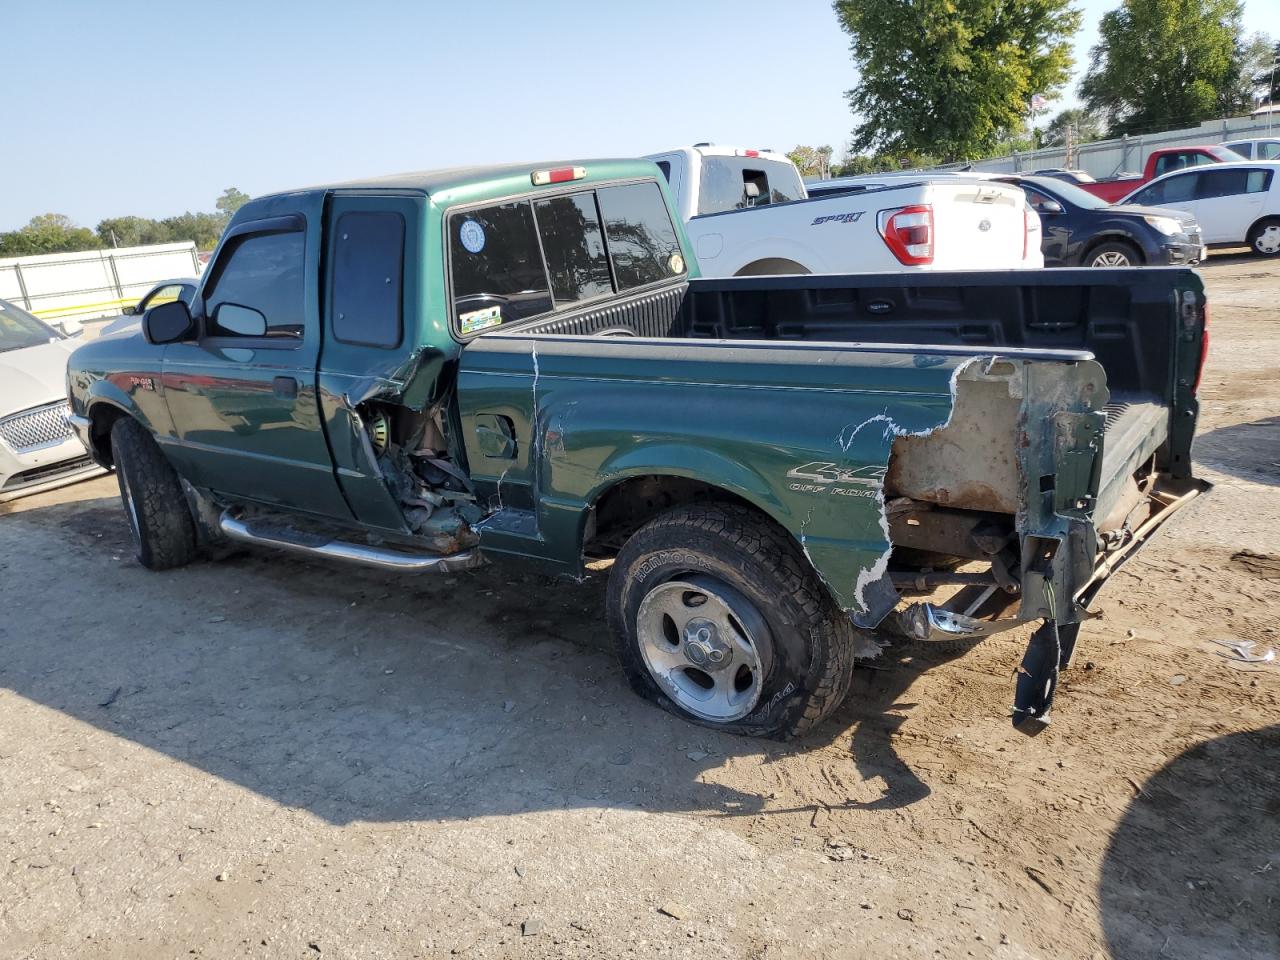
column 472, row 236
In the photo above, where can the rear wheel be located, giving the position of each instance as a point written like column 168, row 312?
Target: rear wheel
column 164, row 535
column 1113, row 254
column 1264, row 238
column 719, row 619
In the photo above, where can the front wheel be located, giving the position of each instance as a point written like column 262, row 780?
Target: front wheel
column 720, row 619
column 1112, row 255
column 1264, row 238
column 164, row 535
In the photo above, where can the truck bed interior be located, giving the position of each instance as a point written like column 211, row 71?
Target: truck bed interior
column 1121, row 318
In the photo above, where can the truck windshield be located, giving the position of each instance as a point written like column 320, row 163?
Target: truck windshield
column 19, row 329
column 736, row 183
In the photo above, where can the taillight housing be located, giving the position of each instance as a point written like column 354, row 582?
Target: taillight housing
column 1204, row 352
column 1026, row 228
column 908, row 232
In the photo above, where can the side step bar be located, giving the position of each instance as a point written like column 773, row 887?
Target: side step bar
column 377, row 558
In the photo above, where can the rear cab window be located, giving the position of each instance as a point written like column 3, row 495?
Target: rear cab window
column 736, row 183
column 516, row 260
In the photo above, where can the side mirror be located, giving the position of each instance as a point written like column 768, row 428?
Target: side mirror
column 71, row 328
column 131, row 311
column 168, row 323
column 1049, row 206
column 239, row 321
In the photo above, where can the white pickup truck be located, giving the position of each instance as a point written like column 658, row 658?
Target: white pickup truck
column 747, row 214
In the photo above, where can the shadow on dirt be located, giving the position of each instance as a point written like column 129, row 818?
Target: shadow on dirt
column 1250, row 450
column 361, row 697
column 1193, row 869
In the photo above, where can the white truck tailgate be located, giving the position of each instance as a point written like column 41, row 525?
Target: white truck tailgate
column 977, row 225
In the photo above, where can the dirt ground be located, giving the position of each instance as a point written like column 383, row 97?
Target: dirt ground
column 272, row 758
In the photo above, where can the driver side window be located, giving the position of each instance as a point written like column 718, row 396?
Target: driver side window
column 262, row 273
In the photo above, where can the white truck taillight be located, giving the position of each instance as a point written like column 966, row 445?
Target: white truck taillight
column 908, row 232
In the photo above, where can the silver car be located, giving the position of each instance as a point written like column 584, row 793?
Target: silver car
column 38, row 451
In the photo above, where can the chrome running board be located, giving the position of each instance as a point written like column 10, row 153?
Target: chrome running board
column 377, row 558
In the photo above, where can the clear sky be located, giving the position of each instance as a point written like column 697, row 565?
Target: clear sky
column 117, row 107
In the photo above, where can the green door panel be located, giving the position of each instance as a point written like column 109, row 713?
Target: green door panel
column 246, row 421
column 803, row 432
column 353, row 374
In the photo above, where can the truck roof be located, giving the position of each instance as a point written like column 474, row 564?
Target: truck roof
column 464, row 184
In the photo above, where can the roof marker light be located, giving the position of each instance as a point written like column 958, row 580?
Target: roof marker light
column 541, row 178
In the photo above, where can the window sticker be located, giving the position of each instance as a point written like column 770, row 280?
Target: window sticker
column 479, row 319
column 472, row 236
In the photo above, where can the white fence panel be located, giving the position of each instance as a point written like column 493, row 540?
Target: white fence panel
column 94, row 283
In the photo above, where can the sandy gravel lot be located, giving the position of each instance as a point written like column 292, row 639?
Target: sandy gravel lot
column 266, row 757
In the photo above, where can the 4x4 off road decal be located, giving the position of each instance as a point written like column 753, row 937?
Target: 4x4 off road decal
column 823, row 477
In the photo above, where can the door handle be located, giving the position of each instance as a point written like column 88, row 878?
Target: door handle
column 286, row 387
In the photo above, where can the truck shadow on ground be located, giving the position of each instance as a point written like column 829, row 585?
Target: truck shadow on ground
column 1193, row 869
column 359, row 696
column 1248, row 450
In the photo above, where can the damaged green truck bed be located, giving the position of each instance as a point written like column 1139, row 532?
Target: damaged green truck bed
column 426, row 372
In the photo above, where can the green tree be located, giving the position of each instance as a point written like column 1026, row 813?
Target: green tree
column 811, row 161
column 203, row 229
column 131, row 232
column 48, row 233
column 230, row 201
column 1262, row 69
column 1162, row 64
column 952, row 77
column 1084, row 125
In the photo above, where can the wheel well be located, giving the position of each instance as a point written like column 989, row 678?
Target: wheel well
column 771, row 266
column 627, row 506
column 102, row 417
column 1259, row 223
column 1116, row 238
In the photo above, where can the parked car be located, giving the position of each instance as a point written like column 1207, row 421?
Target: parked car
column 1266, row 148
column 1079, row 230
column 523, row 363
column 747, row 213
column 1160, row 162
column 1067, row 176
column 38, row 450
column 1234, row 203
column 166, row 291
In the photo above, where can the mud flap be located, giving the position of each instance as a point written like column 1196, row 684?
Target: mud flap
column 1047, row 656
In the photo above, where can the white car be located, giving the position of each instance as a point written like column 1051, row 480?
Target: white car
column 1266, row 148
column 38, row 450
column 747, row 213
column 1235, row 203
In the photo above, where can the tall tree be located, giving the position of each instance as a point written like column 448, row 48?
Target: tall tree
column 952, row 77
column 811, row 161
column 1161, row 64
column 1262, row 68
column 230, row 201
column 1084, row 127
column 47, row 233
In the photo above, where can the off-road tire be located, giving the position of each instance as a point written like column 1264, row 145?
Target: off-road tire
column 813, row 640
column 164, row 535
column 1128, row 250
column 1256, row 231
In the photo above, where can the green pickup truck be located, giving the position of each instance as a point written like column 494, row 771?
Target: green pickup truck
column 425, row 372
